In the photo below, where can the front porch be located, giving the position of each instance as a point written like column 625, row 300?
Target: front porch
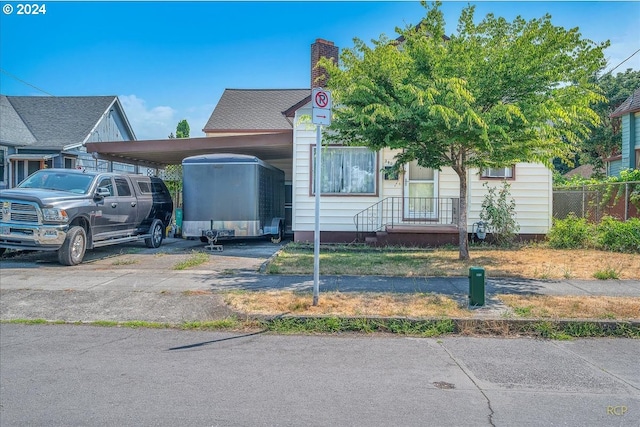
column 409, row 221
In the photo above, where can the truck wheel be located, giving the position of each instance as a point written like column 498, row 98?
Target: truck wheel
column 72, row 250
column 157, row 234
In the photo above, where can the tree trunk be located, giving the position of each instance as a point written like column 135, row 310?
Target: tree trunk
column 463, row 240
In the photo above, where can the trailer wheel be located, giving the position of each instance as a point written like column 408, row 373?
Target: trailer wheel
column 157, row 234
column 72, row 250
column 277, row 238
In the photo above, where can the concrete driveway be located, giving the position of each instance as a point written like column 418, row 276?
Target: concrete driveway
column 238, row 255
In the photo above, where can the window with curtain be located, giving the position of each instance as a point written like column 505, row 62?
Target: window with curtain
column 346, row 170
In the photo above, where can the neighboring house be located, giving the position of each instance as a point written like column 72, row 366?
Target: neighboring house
column 419, row 205
column 584, row 171
column 42, row 132
column 629, row 113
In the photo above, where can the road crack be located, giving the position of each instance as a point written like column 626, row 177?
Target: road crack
column 491, row 412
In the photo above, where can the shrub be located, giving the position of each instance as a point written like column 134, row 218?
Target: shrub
column 570, row 233
column 499, row 211
column 619, row 236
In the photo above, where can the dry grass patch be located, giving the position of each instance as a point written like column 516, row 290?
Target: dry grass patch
column 342, row 304
column 574, row 307
column 536, row 261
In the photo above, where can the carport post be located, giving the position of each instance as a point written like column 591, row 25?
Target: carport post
column 316, row 233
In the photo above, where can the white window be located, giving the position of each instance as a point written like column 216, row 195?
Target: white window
column 346, row 170
column 502, row 173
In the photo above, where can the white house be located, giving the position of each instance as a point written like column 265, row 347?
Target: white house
column 359, row 200
column 419, row 206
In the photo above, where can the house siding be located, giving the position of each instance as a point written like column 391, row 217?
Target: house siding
column 636, row 127
column 111, row 127
column 531, row 190
column 615, row 166
column 336, row 212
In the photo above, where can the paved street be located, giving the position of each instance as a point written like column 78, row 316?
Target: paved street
column 67, row 375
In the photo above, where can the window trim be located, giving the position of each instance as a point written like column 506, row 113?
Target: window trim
column 484, row 176
column 376, row 184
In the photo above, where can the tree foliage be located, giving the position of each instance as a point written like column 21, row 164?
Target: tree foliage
column 182, row 130
column 493, row 94
column 605, row 140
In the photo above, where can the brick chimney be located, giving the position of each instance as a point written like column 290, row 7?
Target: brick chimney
column 321, row 48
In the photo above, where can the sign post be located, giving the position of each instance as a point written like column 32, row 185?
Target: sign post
column 320, row 115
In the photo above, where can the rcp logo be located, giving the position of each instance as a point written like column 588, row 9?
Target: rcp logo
column 617, row 410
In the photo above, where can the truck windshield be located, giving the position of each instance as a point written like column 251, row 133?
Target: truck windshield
column 60, row 181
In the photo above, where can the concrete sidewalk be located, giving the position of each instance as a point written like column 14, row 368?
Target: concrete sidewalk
column 125, row 294
column 142, row 285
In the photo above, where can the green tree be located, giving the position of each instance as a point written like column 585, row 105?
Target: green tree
column 182, row 130
column 605, row 140
column 493, row 94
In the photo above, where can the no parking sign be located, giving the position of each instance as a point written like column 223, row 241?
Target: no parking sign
column 321, row 107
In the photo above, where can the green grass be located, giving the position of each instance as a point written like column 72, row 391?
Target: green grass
column 523, row 311
column 34, row 322
column 351, row 259
column 606, row 274
column 333, row 325
column 194, row 260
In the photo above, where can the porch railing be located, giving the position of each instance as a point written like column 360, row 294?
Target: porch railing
column 395, row 211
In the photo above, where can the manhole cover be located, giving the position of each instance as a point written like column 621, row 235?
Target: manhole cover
column 443, row 385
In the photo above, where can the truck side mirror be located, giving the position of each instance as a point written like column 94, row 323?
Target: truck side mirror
column 102, row 192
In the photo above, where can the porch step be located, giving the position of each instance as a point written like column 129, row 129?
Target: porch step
column 416, row 235
column 422, row 229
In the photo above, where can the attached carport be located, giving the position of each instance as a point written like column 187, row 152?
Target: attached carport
column 274, row 148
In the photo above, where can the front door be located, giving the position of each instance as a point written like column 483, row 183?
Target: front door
column 420, row 192
column 23, row 168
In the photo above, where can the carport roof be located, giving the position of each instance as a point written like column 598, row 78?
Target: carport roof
column 162, row 152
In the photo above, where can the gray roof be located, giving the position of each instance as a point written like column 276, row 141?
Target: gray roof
column 254, row 109
column 53, row 121
column 630, row 105
column 13, row 131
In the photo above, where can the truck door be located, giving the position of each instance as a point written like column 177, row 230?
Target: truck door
column 127, row 205
column 104, row 216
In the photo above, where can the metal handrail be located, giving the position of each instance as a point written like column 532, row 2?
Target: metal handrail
column 394, row 211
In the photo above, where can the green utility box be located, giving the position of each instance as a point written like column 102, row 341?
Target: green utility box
column 476, row 286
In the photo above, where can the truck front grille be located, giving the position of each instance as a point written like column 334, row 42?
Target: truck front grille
column 19, row 212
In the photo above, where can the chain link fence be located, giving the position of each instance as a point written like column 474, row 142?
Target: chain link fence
column 620, row 200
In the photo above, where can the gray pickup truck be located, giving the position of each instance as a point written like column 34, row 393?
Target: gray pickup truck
column 70, row 211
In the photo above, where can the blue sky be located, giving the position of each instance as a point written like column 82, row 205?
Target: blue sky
column 169, row 61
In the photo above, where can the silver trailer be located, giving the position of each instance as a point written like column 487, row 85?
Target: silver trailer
column 227, row 196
